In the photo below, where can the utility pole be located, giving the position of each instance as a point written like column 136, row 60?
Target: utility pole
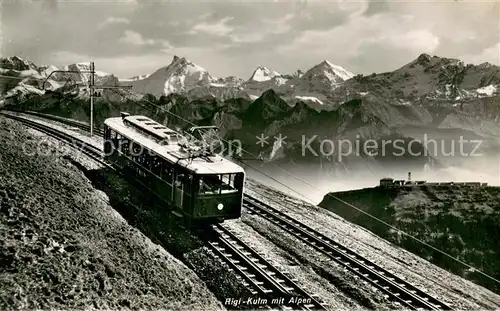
column 91, row 88
column 94, row 94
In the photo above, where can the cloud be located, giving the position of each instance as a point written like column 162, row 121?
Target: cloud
column 237, row 36
column 135, row 38
column 395, row 35
column 490, row 54
column 219, row 28
column 113, row 20
column 129, row 66
column 418, row 40
column 267, row 27
column 50, row 5
column 376, row 7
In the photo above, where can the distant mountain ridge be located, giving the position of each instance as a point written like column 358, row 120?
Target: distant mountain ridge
column 182, row 76
column 322, row 87
column 430, row 92
column 29, row 78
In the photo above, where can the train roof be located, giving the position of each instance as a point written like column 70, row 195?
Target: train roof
column 154, row 128
column 172, row 151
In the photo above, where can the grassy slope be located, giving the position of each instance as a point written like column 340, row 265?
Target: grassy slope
column 463, row 222
column 64, row 247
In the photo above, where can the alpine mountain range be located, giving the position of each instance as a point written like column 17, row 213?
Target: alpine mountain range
column 441, row 98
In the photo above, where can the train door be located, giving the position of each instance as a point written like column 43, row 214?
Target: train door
column 179, row 189
column 107, row 141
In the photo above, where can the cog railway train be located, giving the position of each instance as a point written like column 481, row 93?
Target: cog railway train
column 197, row 186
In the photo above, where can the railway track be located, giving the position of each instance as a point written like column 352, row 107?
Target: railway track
column 395, row 288
column 270, row 286
column 91, row 151
column 80, row 125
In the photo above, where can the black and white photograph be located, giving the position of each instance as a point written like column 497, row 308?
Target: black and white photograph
column 249, row 155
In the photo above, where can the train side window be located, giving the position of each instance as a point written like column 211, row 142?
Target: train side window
column 157, row 166
column 140, row 158
column 147, row 160
column 125, row 145
column 179, row 180
column 184, row 180
column 119, row 143
column 112, row 137
column 168, row 174
column 188, row 182
column 135, row 150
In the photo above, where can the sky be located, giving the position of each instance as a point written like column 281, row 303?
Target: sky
column 133, row 37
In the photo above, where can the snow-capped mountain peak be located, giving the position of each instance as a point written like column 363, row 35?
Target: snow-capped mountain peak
column 263, row 74
column 320, row 80
column 183, row 64
column 180, row 75
column 337, row 70
column 183, row 73
column 16, row 63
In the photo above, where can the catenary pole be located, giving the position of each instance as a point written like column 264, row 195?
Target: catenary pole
column 93, row 93
column 91, row 88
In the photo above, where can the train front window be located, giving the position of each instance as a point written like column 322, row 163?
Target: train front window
column 218, row 184
column 227, row 183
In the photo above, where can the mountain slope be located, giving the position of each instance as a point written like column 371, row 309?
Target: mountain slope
column 462, row 221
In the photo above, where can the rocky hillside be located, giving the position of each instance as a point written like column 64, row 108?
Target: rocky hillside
column 63, row 245
column 461, row 221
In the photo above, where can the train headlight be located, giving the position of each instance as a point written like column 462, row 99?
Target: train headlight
column 220, row 206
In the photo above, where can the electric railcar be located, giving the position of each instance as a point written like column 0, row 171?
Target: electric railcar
column 199, row 187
